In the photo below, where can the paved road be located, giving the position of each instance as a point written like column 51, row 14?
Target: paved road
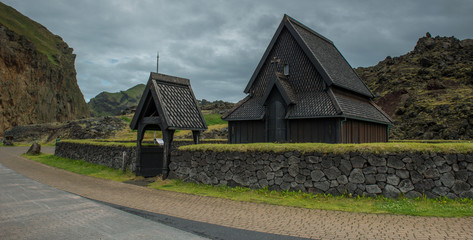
column 297, row 222
column 32, row 210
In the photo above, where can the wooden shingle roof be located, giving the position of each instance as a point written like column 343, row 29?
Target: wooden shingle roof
column 338, row 70
column 172, row 100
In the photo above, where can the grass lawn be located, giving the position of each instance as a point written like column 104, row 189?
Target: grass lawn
column 441, row 207
column 213, row 119
column 82, row 167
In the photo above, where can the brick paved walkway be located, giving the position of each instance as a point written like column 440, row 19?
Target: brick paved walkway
column 319, row 224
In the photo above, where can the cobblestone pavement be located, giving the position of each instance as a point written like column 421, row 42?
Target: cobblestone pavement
column 298, row 222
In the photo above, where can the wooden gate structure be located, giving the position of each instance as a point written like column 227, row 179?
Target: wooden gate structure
column 167, row 104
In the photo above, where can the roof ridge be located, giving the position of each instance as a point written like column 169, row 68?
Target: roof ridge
column 292, row 20
column 170, row 79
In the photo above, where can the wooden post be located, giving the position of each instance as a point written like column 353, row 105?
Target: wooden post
column 196, row 136
column 139, row 139
column 167, row 137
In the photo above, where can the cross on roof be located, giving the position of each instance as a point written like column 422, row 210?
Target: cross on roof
column 276, row 60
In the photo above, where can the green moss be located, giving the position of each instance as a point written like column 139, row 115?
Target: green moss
column 427, row 146
column 127, row 142
column 377, row 148
column 101, row 142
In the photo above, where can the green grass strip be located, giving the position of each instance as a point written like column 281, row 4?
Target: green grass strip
column 82, row 167
column 441, row 207
column 376, row 148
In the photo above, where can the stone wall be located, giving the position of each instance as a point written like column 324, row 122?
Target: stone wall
column 110, row 156
column 409, row 174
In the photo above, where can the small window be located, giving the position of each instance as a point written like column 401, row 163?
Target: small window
column 286, row 69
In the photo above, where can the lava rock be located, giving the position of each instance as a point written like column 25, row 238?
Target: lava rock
column 35, row 149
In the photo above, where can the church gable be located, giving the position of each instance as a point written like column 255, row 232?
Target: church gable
column 303, row 83
column 303, row 77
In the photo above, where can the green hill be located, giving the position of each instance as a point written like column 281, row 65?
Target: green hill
column 428, row 91
column 109, row 104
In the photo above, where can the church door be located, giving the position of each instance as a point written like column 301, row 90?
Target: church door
column 276, row 117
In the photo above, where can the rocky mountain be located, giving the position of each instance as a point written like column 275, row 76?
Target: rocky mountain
column 217, row 106
column 37, row 74
column 428, row 91
column 90, row 128
column 110, row 104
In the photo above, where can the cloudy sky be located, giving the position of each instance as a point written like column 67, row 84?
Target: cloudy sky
column 217, row 44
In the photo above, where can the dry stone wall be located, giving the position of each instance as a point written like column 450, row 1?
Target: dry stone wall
column 408, row 174
column 110, row 156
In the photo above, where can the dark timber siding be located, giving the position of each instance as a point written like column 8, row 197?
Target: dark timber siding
column 363, row 132
column 246, row 131
column 313, row 130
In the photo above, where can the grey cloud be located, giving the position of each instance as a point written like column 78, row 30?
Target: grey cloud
column 217, row 44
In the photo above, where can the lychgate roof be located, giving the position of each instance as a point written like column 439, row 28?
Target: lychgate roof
column 321, row 83
column 172, row 100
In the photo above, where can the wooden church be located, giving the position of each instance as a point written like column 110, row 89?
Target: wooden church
column 304, row 90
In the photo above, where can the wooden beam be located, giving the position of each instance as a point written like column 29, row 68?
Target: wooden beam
column 139, row 139
column 151, row 120
column 167, row 137
column 196, row 136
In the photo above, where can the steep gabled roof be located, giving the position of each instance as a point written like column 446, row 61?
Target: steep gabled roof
column 172, row 100
column 281, row 83
column 323, row 54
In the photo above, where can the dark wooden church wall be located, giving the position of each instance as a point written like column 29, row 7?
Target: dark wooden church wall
column 313, row 130
column 246, row 131
column 355, row 131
